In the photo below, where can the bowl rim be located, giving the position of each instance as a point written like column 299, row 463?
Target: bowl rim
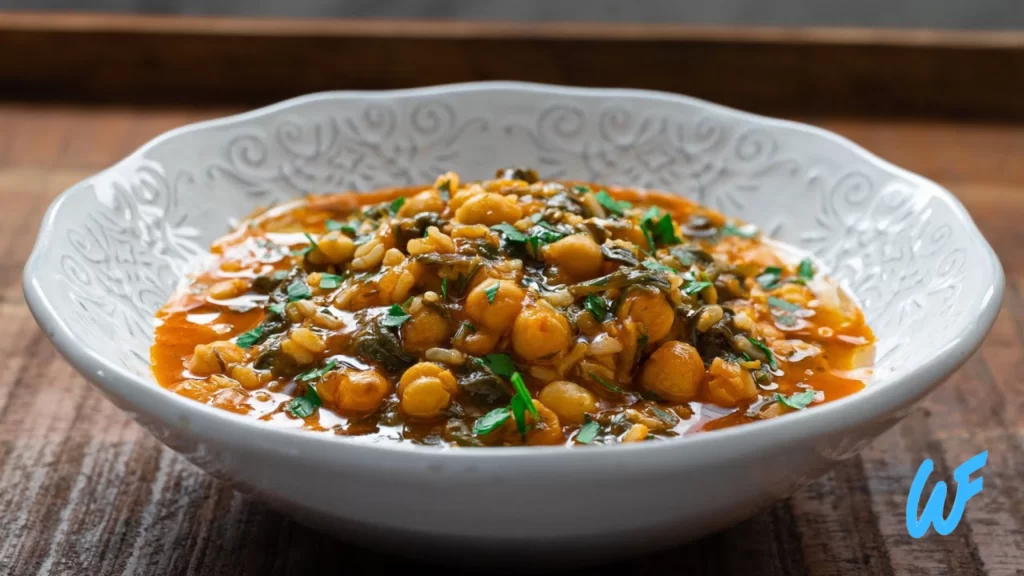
column 244, row 432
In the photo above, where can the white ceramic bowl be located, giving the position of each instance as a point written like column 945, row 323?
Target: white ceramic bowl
column 112, row 248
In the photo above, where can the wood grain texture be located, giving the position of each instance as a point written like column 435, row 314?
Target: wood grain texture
column 154, row 59
column 83, row 490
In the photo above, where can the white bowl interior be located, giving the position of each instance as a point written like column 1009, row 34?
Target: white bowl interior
column 118, row 243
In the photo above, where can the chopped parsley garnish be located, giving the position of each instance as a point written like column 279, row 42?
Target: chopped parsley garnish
column 330, row 281
column 277, row 309
column 510, row 232
column 797, row 401
column 695, row 287
column 396, row 316
column 580, row 189
column 596, row 306
column 500, row 364
column 396, row 204
column 764, row 348
column 547, row 233
column 745, row 231
column 304, row 406
column 298, row 290
column 770, row 277
column 444, row 288
column 279, row 275
column 335, row 226
column 658, row 228
column 492, row 292
column 806, row 270
column 445, row 190
column 520, row 404
column 316, row 373
column 518, row 407
column 611, row 387
column 588, row 432
column 652, row 265
column 524, row 393
column 611, row 204
column 247, row 339
column 544, row 233
column 308, row 248
column 491, row 421
column 782, row 304
column 651, row 246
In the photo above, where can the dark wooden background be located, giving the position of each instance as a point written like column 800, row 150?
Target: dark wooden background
column 83, row 490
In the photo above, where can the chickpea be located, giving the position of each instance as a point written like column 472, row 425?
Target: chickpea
column 489, row 209
column 424, row 398
column 426, row 201
column 353, row 390
column 363, row 391
column 674, row 371
column 427, row 328
column 497, row 313
column 545, row 433
column 429, row 370
column 577, row 256
column 650, row 309
column 730, row 385
column 214, row 358
column 568, row 401
column 332, row 248
column 540, row 332
column 478, row 343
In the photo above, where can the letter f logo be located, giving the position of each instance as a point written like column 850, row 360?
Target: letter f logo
column 965, row 490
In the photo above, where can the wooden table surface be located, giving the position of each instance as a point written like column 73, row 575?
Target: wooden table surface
column 83, row 490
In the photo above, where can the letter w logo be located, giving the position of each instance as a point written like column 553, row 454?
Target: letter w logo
column 965, row 490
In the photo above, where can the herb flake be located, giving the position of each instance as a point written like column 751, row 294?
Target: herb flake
column 298, row 290
column 510, row 232
column 596, row 306
column 806, row 270
column 694, row 288
column 335, row 226
column 588, row 432
column 608, row 385
column 492, row 292
column 764, row 348
column 491, row 421
column 396, row 204
column 610, row 204
column 247, row 339
column 396, row 316
column 304, row 406
column 500, row 364
column 782, row 304
column 770, row 277
column 797, row 401
column 316, row 373
column 330, row 281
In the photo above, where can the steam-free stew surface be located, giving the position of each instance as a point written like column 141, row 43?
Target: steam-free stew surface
column 506, row 312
